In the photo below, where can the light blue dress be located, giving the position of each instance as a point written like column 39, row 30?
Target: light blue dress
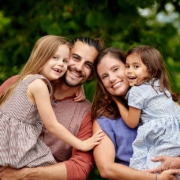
column 121, row 136
column 159, row 129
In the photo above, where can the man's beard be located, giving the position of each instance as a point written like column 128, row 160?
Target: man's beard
column 69, row 84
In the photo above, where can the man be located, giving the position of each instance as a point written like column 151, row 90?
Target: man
column 75, row 116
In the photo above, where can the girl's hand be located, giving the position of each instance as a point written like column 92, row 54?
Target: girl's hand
column 80, row 94
column 93, row 141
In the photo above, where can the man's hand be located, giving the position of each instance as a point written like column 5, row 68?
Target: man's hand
column 166, row 163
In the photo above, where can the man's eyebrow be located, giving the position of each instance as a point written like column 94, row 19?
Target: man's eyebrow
column 74, row 54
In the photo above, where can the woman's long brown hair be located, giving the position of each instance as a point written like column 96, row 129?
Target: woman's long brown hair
column 102, row 104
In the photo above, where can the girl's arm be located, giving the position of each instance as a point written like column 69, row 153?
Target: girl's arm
column 80, row 94
column 131, row 117
column 104, row 155
column 39, row 94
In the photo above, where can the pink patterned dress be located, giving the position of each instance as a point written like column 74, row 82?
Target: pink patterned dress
column 20, row 127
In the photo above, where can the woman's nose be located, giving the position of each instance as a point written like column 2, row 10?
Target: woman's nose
column 112, row 77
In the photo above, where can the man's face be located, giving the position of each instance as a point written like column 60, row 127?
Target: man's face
column 80, row 66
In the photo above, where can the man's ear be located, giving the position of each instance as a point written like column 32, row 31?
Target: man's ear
column 91, row 77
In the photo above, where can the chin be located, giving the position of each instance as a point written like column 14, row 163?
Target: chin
column 71, row 84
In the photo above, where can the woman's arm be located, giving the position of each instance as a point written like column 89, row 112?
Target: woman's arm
column 104, row 155
column 55, row 172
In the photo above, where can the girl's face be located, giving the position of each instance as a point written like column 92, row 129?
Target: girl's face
column 136, row 71
column 111, row 72
column 56, row 66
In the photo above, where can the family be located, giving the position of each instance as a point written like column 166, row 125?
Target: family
column 49, row 131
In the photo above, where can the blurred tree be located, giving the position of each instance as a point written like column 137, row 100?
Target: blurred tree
column 121, row 23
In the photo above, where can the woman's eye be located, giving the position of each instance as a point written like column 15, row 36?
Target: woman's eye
column 103, row 77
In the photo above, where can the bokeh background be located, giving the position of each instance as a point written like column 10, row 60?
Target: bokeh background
column 120, row 23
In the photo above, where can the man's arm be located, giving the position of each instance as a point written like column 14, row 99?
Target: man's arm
column 81, row 163
column 7, row 83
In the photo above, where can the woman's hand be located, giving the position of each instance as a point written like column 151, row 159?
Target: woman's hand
column 12, row 174
column 171, row 174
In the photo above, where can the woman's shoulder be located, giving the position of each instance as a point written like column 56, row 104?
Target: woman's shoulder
column 111, row 123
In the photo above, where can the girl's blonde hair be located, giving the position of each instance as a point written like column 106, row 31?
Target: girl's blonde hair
column 43, row 50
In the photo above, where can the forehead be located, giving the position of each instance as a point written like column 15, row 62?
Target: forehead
column 134, row 58
column 107, row 63
column 63, row 50
column 84, row 51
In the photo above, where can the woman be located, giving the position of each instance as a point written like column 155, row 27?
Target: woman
column 111, row 82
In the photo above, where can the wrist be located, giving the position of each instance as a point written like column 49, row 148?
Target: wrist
column 156, row 176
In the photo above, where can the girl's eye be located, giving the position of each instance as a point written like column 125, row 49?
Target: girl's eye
column 65, row 60
column 115, row 69
column 127, row 66
column 136, row 66
column 55, row 57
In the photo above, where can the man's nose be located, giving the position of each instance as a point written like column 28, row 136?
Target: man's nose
column 79, row 66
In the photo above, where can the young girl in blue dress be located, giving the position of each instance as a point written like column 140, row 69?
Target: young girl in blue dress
column 24, row 104
column 152, row 107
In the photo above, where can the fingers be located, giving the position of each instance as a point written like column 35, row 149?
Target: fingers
column 173, row 172
column 97, row 137
column 158, row 158
column 155, row 170
column 79, row 98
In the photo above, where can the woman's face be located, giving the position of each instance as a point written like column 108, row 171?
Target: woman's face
column 111, row 72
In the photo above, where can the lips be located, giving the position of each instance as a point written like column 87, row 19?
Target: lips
column 116, row 85
column 57, row 70
column 74, row 73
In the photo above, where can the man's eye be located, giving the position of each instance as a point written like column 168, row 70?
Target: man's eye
column 89, row 65
column 75, row 58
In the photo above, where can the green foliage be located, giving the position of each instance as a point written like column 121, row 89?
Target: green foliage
column 121, row 23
